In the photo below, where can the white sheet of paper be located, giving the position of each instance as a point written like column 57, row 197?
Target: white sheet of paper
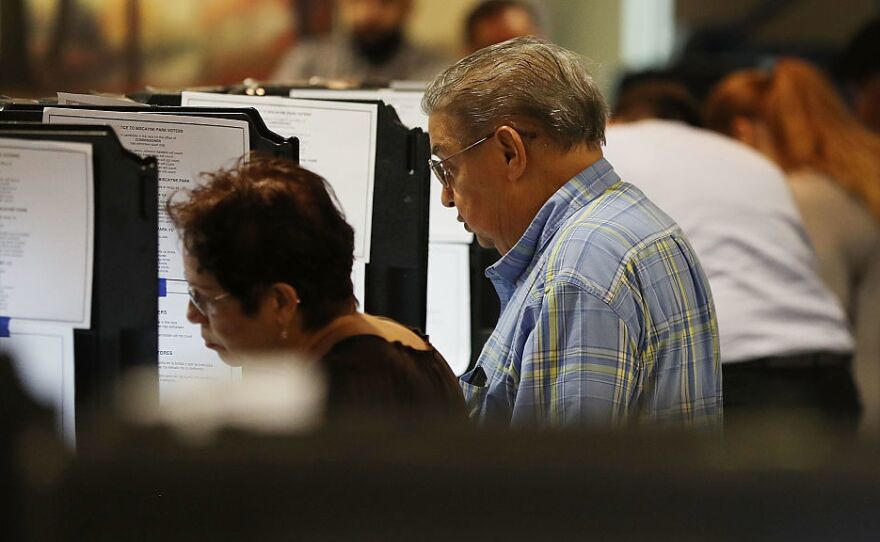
column 42, row 355
column 184, row 147
column 69, row 98
column 183, row 357
column 443, row 225
column 46, row 231
column 336, row 140
column 449, row 309
column 359, row 282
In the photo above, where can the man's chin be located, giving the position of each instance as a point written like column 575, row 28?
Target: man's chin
column 484, row 242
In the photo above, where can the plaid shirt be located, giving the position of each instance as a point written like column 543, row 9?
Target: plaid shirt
column 606, row 318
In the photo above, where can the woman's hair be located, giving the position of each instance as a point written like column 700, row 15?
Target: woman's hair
column 265, row 221
column 522, row 78
column 810, row 125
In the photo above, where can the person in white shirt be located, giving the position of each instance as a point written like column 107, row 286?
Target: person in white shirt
column 785, row 343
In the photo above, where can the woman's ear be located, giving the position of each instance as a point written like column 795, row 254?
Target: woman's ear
column 284, row 301
column 514, row 151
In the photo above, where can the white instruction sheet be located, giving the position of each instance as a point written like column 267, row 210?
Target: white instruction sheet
column 184, row 147
column 46, row 231
column 336, row 140
column 449, row 303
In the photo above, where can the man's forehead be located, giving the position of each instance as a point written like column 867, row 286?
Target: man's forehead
column 441, row 131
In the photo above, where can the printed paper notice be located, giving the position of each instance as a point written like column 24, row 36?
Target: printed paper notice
column 336, row 140
column 184, row 148
column 46, row 231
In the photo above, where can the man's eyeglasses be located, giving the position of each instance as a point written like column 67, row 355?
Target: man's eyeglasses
column 439, row 167
column 202, row 303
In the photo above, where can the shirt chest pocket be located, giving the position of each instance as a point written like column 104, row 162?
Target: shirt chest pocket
column 474, row 387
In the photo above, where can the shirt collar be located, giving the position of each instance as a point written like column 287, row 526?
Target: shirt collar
column 572, row 196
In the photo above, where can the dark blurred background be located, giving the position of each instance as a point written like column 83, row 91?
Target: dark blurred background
column 124, row 45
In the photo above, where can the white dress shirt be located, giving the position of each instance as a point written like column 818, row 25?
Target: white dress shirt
column 736, row 208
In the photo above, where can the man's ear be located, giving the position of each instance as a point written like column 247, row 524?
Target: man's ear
column 514, row 151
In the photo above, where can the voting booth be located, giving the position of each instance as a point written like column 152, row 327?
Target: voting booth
column 451, row 277
column 377, row 167
column 378, row 170
column 327, row 122
column 185, row 143
column 78, row 265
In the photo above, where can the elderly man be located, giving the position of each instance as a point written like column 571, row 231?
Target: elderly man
column 606, row 317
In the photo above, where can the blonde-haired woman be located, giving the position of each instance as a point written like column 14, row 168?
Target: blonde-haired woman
column 793, row 115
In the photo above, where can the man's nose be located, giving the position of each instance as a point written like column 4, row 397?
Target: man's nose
column 447, row 198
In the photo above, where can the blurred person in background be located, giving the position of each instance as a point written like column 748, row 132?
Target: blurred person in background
column 792, row 115
column 785, row 343
column 371, row 45
column 268, row 257
column 858, row 65
column 494, row 21
column 606, row 316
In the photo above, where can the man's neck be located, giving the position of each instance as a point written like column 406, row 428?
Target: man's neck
column 555, row 168
column 549, row 170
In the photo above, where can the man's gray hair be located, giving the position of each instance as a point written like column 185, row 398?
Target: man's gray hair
column 523, row 78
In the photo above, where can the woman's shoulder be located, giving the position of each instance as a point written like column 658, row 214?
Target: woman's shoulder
column 395, row 332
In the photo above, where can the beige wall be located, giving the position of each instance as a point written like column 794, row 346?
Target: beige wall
column 591, row 28
column 439, row 23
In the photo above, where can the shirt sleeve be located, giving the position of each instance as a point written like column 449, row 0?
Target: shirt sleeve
column 579, row 364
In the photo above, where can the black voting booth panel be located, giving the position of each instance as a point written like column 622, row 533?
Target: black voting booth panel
column 123, row 333
column 397, row 275
column 261, row 138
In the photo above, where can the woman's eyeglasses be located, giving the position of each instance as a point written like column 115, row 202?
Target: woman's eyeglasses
column 202, row 303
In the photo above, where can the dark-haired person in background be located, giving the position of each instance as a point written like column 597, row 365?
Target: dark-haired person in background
column 494, row 21
column 858, row 65
column 775, row 315
column 268, row 257
column 606, row 316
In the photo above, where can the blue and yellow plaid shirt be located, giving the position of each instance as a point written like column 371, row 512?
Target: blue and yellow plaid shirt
column 606, row 318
